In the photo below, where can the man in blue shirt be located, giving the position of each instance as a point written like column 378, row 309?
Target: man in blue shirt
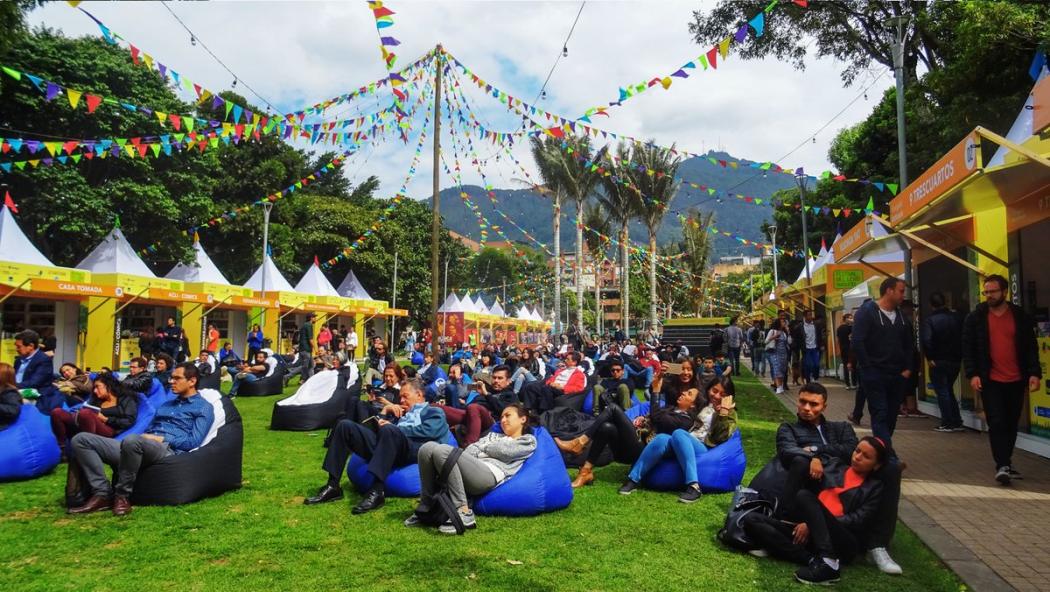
column 34, row 369
column 402, row 430
column 179, row 426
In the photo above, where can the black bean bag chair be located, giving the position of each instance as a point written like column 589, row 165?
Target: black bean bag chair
column 291, row 414
column 271, row 385
column 212, row 380
column 210, row 470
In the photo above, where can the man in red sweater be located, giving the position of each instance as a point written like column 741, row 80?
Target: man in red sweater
column 564, row 388
column 1001, row 360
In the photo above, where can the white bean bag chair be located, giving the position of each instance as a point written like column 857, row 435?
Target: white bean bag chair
column 319, row 402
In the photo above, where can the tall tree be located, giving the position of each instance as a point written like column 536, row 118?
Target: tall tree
column 696, row 243
column 617, row 199
column 597, row 241
column 547, row 154
column 654, row 171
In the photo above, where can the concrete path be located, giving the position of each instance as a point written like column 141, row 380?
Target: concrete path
column 994, row 537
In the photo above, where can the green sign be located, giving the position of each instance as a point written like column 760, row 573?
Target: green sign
column 844, row 279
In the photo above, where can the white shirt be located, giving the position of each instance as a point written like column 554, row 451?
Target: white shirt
column 630, row 349
column 890, row 314
column 811, row 335
column 352, row 340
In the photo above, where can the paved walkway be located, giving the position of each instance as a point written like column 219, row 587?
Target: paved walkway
column 994, row 537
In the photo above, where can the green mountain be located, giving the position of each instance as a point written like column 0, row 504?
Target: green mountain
column 534, row 213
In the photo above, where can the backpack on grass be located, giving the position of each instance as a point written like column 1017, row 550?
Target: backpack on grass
column 442, row 508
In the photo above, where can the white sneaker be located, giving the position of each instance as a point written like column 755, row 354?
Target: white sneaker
column 780, row 390
column 758, row 553
column 881, row 558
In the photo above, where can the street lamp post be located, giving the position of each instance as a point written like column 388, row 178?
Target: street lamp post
column 776, row 277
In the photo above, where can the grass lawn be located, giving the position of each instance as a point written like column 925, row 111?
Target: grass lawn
column 262, row 537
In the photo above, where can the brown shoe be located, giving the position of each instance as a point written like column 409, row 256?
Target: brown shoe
column 574, row 446
column 95, row 504
column 121, row 506
column 585, row 477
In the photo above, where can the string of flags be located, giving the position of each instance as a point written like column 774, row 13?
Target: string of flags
column 399, row 197
column 384, row 20
column 707, row 60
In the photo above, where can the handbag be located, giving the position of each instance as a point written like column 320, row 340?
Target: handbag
column 746, row 502
column 442, row 508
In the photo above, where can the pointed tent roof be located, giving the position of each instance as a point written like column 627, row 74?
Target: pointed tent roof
column 479, row 305
column 14, row 245
column 115, row 255
column 497, row 310
column 275, row 282
column 523, row 313
column 451, row 304
column 468, row 303
column 314, row 282
column 203, row 269
column 351, row 288
column 536, row 316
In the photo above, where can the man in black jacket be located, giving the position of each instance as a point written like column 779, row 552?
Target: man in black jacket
column 883, row 347
column 816, row 452
column 941, row 337
column 1001, row 357
column 378, row 360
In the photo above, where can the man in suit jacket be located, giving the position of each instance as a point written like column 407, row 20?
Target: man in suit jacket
column 34, row 369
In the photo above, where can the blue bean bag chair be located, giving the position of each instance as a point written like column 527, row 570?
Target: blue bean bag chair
column 541, row 485
column 441, row 378
column 27, row 447
column 158, row 395
column 146, row 411
column 401, row 482
column 721, row 469
column 417, row 358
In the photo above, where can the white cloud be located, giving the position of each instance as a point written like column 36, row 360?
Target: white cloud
column 298, row 53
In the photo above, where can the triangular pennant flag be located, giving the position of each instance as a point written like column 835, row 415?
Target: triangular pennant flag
column 10, row 203
column 723, row 47
column 712, row 57
column 871, row 205
column 74, row 97
column 892, row 187
column 93, row 101
column 758, row 24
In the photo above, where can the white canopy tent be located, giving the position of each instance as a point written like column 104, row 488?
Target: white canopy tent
column 314, row 282
column 115, row 255
column 275, row 282
column 351, row 287
column 451, row 304
column 202, row 270
column 15, row 246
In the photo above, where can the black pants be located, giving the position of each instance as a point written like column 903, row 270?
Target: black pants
column 827, row 536
column 847, row 374
column 1003, row 402
column 539, row 397
column 883, row 524
column 859, row 400
column 612, row 428
column 384, row 450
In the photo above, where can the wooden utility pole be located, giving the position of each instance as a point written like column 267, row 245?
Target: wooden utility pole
column 435, row 228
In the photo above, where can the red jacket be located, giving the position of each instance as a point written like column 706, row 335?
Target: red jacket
column 569, row 380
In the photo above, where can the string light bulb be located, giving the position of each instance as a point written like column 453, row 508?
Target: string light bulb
column 193, row 41
column 565, row 51
column 234, row 85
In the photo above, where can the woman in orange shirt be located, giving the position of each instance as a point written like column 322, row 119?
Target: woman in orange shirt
column 213, row 339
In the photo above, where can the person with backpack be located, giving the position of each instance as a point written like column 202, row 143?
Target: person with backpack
column 481, row 467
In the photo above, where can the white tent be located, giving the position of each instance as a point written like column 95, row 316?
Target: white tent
column 203, row 269
column 14, row 246
column 523, row 313
column 352, row 288
column 115, row 255
column 535, row 315
column 479, row 305
column 855, row 296
column 275, row 282
column 451, row 304
column 314, row 282
column 884, row 251
column 497, row 310
column 467, row 304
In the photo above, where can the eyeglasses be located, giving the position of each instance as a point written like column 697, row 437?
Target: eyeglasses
column 617, row 369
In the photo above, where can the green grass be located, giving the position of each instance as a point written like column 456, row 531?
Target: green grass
column 262, row 537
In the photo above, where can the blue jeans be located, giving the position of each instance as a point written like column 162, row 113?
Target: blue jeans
column 521, row 376
column 646, row 372
column 681, row 444
column 885, row 393
column 811, row 364
column 238, row 379
column 943, row 376
column 734, row 356
column 758, row 360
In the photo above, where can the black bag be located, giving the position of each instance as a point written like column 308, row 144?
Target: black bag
column 746, row 501
column 442, row 508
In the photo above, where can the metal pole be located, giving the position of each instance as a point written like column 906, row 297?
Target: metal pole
column 751, row 291
column 800, row 177
column 445, row 315
column 435, row 227
column 267, row 206
column 902, row 144
column 504, row 291
column 776, row 276
column 393, row 319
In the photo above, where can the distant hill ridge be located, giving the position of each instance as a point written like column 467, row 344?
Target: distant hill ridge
column 534, row 212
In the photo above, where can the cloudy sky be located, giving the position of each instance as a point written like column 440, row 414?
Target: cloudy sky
column 295, row 54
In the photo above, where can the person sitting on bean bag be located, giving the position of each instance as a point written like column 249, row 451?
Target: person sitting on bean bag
column 710, row 426
column 162, row 370
column 263, row 366
column 482, row 466
column 110, row 410
column 75, row 384
column 179, row 426
column 617, row 386
column 565, row 387
column 10, row 398
column 35, row 370
column 478, row 415
column 401, row 431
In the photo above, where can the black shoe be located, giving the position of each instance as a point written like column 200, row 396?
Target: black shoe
column 328, row 493
column 690, row 495
column 373, row 501
column 628, row 487
column 817, row 572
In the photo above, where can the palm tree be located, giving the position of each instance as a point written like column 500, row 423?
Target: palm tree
column 547, row 153
column 616, row 199
column 658, row 187
column 597, row 242
column 697, row 246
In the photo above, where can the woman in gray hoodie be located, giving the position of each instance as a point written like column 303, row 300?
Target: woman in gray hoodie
column 483, row 465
